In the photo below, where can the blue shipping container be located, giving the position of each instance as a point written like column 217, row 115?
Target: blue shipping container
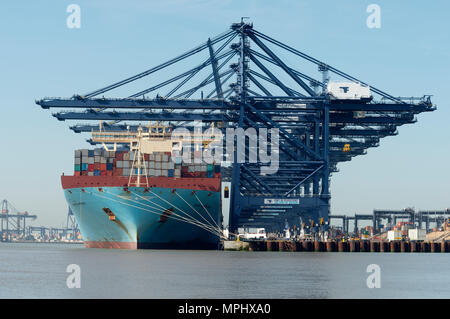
column 91, row 153
column 96, row 172
column 84, row 167
column 170, row 172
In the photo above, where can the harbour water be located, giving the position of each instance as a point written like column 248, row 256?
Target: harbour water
column 39, row 271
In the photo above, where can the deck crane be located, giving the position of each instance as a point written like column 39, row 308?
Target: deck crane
column 324, row 117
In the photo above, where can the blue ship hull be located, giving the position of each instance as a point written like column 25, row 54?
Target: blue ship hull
column 138, row 217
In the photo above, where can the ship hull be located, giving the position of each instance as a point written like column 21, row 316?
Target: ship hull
column 157, row 217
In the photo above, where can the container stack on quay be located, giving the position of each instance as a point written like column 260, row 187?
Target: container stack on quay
column 99, row 162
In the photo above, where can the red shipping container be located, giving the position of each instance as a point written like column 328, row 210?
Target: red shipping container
column 119, row 156
column 77, row 173
column 147, row 157
column 119, row 172
column 102, row 173
column 103, row 167
column 84, row 173
column 109, row 173
column 97, row 166
column 90, row 167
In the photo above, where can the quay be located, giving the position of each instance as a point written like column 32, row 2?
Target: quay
column 338, row 246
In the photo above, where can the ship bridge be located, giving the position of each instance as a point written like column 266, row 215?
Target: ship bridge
column 245, row 79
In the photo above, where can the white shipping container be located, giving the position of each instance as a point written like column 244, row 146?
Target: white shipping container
column 394, row 235
column 119, row 164
column 84, row 159
column 84, row 153
column 157, row 172
column 151, row 164
column 151, row 172
column 90, row 173
column 164, row 165
column 125, row 164
column 417, row 234
column 126, row 157
column 97, row 159
column 126, row 172
column 90, row 160
column 171, row 165
column 102, row 160
column 177, row 173
column 77, row 153
column 158, row 165
column 165, row 158
column 158, row 158
column 164, row 172
column 77, row 160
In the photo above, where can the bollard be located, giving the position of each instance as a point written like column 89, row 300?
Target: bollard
column 394, row 246
column 413, row 247
column 317, row 246
column 384, row 247
column 331, row 246
column 307, row 246
column 281, row 246
column 364, row 246
column 354, row 246
column 298, row 246
column 443, row 247
column 425, row 247
column 374, row 247
column 435, row 247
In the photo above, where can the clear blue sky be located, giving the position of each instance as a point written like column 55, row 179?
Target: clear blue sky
column 39, row 56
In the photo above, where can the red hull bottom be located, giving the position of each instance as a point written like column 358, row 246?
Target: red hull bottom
column 110, row 244
column 134, row 245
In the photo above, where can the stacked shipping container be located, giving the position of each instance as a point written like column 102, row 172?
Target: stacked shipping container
column 99, row 162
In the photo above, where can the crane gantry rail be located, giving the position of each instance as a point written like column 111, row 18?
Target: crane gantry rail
column 240, row 81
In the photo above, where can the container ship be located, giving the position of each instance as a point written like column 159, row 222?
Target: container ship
column 145, row 196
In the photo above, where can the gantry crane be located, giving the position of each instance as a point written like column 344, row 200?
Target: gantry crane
column 324, row 116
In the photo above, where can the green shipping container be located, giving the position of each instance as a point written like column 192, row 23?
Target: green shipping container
column 77, row 167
